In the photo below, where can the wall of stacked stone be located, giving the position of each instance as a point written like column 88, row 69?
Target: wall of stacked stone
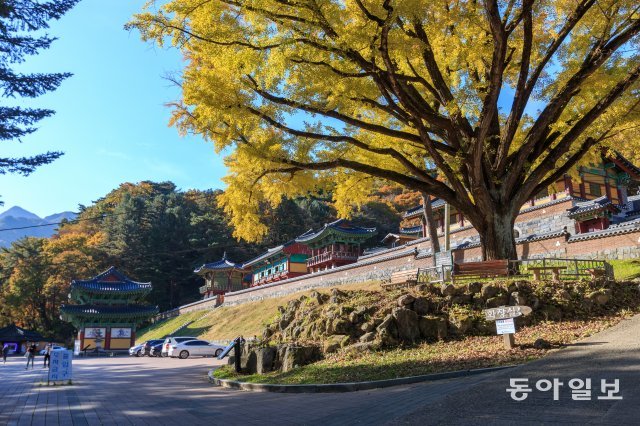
column 545, row 218
column 380, row 267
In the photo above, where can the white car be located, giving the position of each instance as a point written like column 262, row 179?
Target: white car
column 53, row 348
column 195, row 348
column 170, row 341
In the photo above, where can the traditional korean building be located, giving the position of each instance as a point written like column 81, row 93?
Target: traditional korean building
column 221, row 276
column 593, row 202
column 17, row 338
column 286, row 261
column 337, row 243
column 108, row 309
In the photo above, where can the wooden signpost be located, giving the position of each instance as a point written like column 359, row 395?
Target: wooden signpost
column 505, row 324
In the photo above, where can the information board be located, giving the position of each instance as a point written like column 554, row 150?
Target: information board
column 505, row 326
column 61, row 363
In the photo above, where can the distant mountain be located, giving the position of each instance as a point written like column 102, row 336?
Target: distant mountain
column 17, row 217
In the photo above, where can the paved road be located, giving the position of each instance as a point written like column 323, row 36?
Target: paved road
column 141, row 391
column 612, row 354
column 135, row 391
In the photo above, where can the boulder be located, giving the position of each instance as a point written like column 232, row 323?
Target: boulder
column 541, row 344
column 335, row 342
column 368, row 337
column 432, row 327
column 265, row 359
column 474, row 287
column 489, row 291
column 551, row 313
column 564, row 295
column 360, row 347
column 341, row 326
column 421, row 306
column 405, row 299
column 460, row 323
column 601, row 297
column 461, row 299
column 494, row 302
column 336, row 296
column 367, row 327
column 316, row 297
column 297, row 356
column 407, row 323
column 448, row 290
column 387, row 331
column 248, row 360
column 354, row 318
column 517, row 299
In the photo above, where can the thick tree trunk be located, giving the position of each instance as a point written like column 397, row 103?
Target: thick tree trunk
column 497, row 237
column 430, row 224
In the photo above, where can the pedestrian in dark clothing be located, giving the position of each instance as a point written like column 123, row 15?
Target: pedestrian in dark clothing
column 47, row 356
column 5, row 352
column 31, row 355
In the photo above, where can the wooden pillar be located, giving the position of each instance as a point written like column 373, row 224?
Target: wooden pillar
column 107, row 339
column 133, row 335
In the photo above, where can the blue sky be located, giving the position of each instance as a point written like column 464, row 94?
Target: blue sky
column 110, row 119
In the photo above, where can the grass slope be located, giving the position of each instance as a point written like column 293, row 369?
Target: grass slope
column 227, row 323
column 626, row 269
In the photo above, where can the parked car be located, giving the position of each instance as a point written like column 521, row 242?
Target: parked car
column 156, row 350
column 53, row 348
column 173, row 341
column 146, row 346
column 135, row 350
column 195, row 348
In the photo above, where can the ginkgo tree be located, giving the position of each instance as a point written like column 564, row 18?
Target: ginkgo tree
column 482, row 103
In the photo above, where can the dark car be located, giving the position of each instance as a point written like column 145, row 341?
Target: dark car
column 146, row 347
column 156, row 350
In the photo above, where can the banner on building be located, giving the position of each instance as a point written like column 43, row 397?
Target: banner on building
column 120, row 333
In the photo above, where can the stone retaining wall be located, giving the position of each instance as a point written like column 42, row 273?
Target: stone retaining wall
column 621, row 245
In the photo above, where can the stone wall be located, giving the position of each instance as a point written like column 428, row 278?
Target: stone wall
column 610, row 244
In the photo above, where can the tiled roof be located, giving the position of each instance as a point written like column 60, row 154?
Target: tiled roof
column 110, row 281
column 543, row 236
column 411, row 230
column 268, row 254
column 109, row 310
column 220, row 265
column 614, row 230
column 632, row 167
column 16, row 334
column 339, row 225
column 591, row 205
column 419, row 209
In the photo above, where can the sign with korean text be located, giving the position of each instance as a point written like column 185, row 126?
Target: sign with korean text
column 60, row 369
column 505, row 326
column 502, row 312
column 95, row 332
column 120, row 333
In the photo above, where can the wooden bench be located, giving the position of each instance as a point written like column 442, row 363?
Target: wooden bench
column 555, row 271
column 490, row 268
column 402, row 278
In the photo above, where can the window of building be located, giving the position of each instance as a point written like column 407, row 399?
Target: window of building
column 595, row 189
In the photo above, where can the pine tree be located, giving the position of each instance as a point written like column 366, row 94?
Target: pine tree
column 18, row 19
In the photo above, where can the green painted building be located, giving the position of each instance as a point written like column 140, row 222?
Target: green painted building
column 107, row 309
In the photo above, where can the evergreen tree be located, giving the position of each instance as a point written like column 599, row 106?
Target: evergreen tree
column 18, row 19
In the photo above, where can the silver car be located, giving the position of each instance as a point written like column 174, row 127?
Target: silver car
column 195, row 348
column 173, row 341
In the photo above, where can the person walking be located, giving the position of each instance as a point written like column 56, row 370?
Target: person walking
column 47, row 356
column 31, row 355
column 5, row 352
